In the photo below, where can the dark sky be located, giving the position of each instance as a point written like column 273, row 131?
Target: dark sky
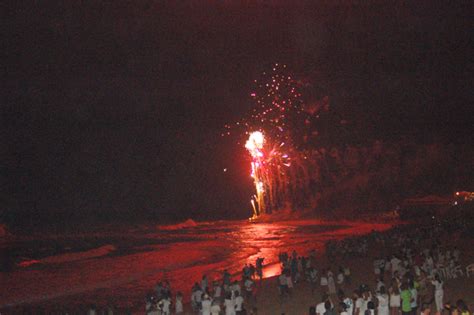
column 114, row 109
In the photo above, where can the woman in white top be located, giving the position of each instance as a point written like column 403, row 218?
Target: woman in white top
column 395, row 300
column 229, row 305
column 439, row 293
column 383, row 301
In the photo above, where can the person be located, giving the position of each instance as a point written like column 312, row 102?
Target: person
column 462, row 308
column 383, row 299
column 359, row 308
column 206, row 305
column 196, row 297
column 204, row 283
column 340, row 277
column 235, row 288
column 289, row 281
column 439, row 292
column 426, row 309
column 92, row 310
column 259, row 267
column 347, row 275
column 378, row 284
column 321, row 308
column 395, row 301
column 405, row 296
column 164, row 305
column 395, row 264
column 347, row 301
column 226, row 278
column 329, row 310
column 283, row 284
column 239, row 301
column 370, row 308
column 178, row 305
column 343, row 309
column 425, row 295
column 414, row 297
column 229, row 305
column 150, row 305
column 215, row 308
column 248, row 284
column 217, row 291
column 313, row 278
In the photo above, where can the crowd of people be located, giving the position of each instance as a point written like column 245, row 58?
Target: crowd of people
column 219, row 297
column 406, row 278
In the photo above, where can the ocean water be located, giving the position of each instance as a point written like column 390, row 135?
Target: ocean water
column 120, row 265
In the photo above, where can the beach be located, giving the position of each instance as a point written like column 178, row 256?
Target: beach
column 122, row 292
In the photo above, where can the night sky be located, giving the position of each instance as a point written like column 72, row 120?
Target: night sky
column 113, row 110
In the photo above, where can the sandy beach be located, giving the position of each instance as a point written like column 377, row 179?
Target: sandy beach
column 268, row 298
column 270, row 303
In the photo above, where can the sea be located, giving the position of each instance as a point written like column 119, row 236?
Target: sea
column 120, row 265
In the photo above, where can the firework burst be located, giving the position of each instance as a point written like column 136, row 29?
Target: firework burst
column 275, row 130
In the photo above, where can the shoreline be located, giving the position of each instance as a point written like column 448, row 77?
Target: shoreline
column 267, row 292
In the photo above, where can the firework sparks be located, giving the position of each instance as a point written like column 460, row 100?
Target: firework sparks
column 280, row 115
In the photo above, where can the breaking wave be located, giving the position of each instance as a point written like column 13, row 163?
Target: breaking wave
column 69, row 257
column 189, row 223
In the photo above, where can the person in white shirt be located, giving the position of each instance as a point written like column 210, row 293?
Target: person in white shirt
column 320, row 308
column 206, row 305
column 164, row 305
column 361, row 303
column 215, row 308
column 395, row 263
column 439, row 293
column 383, row 300
column 395, row 299
column 229, row 305
column 217, row 291
column 234, row 288
column 239, row 301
